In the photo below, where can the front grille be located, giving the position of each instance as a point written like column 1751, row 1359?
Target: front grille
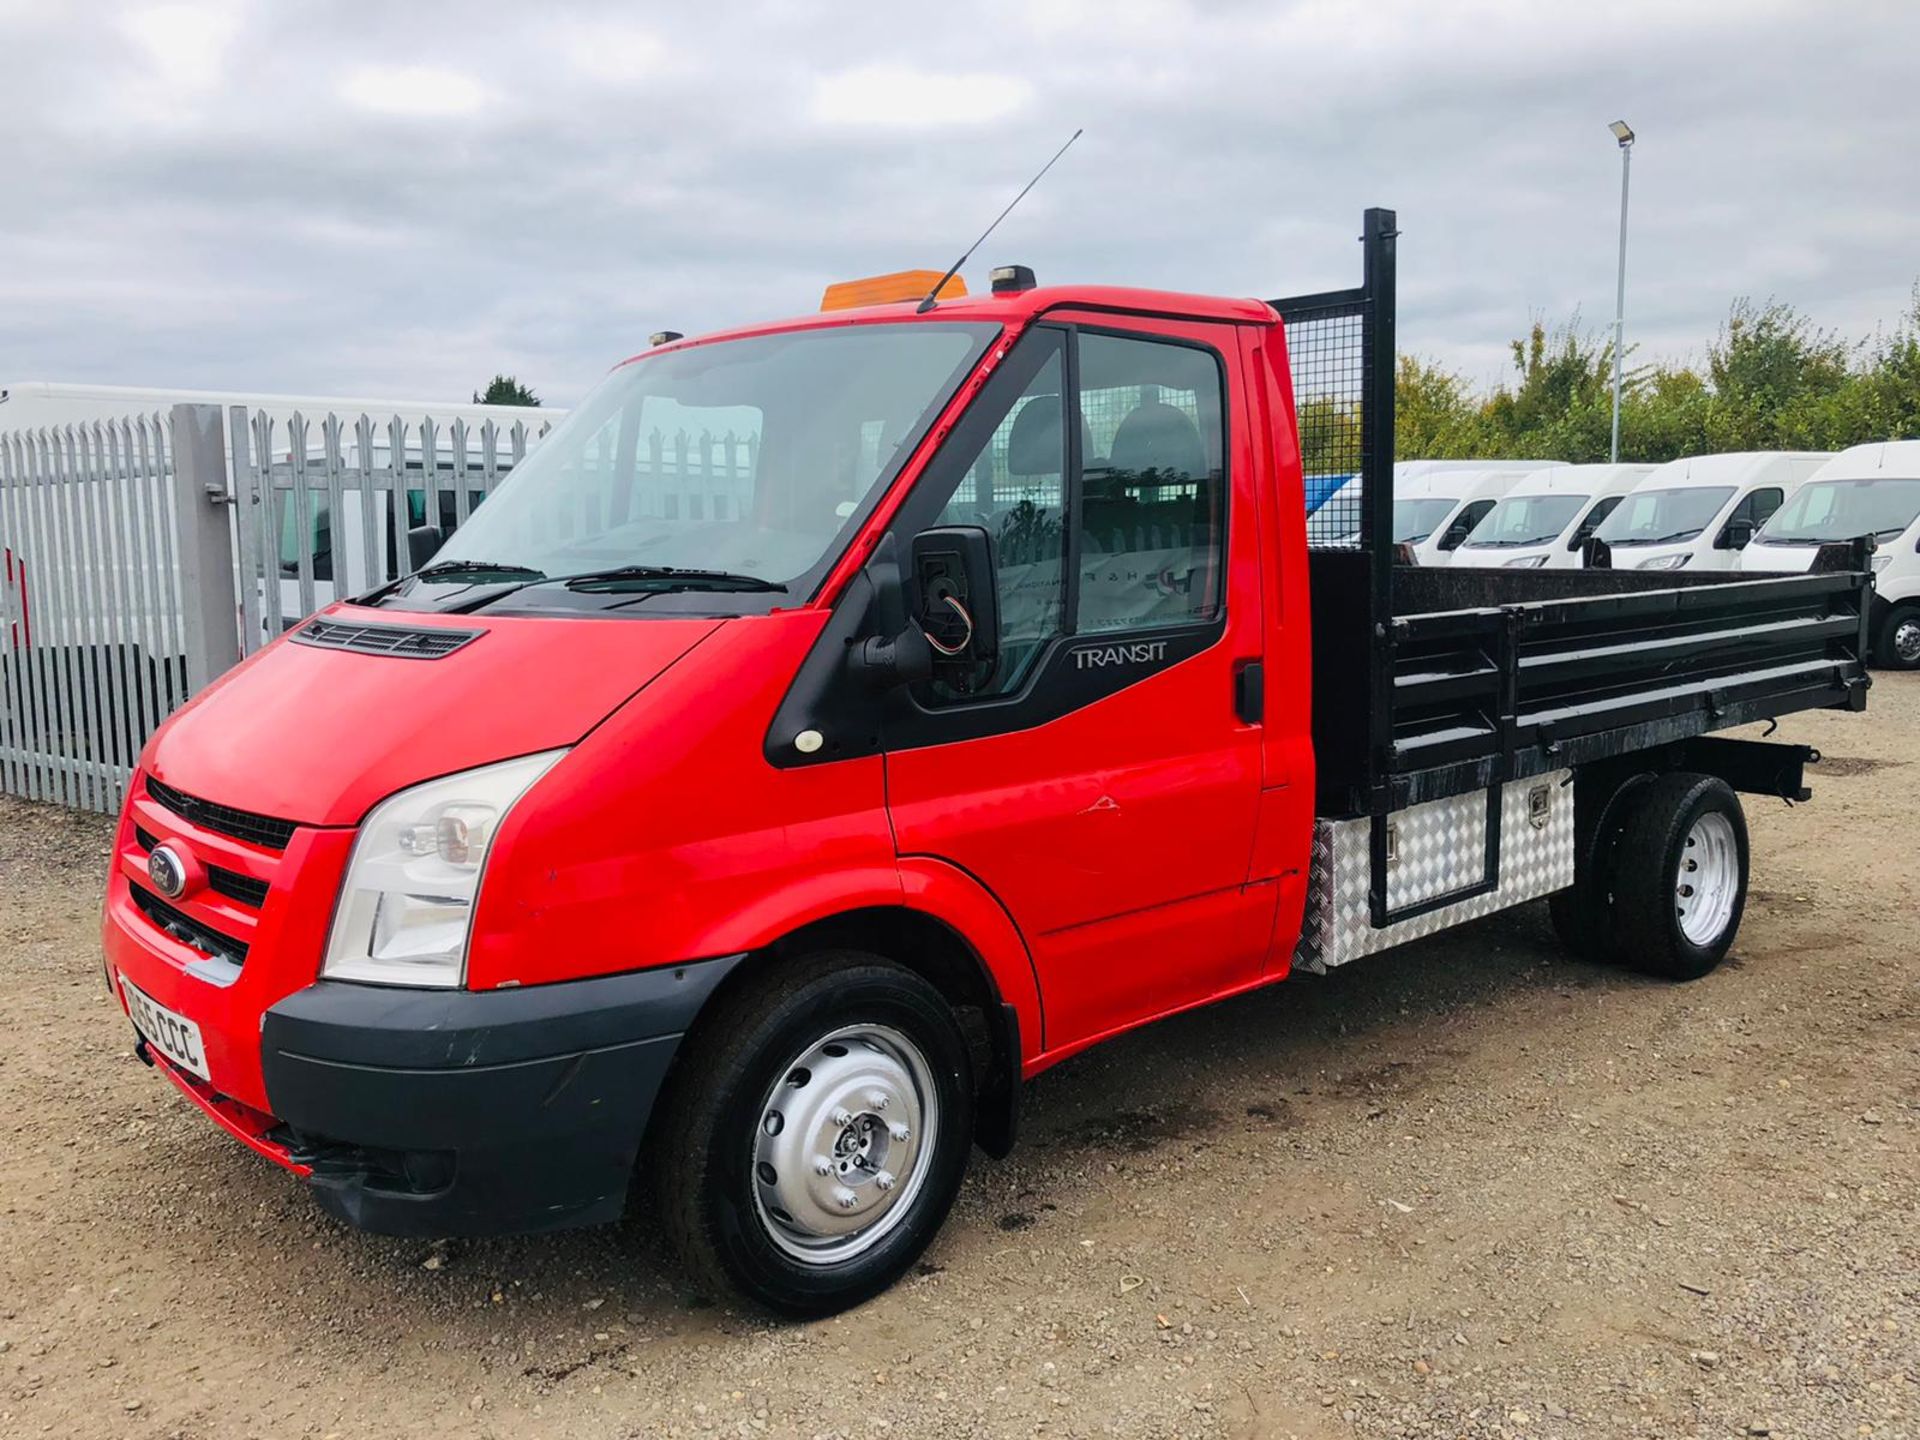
column 255, row 829
column 235, row 886
column 187, row 930
column 230, row 883
column 406, row 642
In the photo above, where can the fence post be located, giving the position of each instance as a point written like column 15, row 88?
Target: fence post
column 201, row 498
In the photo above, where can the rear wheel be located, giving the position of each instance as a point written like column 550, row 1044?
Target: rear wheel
column 815, row 1133
column 1680, row 876
column 1899, row 645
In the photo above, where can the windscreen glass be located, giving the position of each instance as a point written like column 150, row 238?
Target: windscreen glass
column 1845, row 510
column 750, row 456
column 1664, row 517
column 1526, row 520
column 1415, row 520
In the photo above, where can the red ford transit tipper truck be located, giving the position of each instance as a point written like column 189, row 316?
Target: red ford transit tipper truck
column 741, row 852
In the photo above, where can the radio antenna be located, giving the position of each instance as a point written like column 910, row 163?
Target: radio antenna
column 933, row 295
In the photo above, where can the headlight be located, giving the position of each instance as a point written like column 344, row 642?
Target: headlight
column 406, row 905
column 1880, row 562
column 1527, row 562
column 1664, row 562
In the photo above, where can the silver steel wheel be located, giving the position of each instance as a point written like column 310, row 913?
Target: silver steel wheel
column 1709, row 879
column 1906, row 641
column 845, row 1141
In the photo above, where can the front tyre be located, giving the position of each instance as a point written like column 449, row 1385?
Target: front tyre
column 815, row 1133
column 1680, row 883
column 1899, row 645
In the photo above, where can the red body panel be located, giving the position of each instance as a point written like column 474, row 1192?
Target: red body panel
column 1140, row 854
column 322, row 736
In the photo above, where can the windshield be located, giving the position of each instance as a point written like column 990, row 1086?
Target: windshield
column 1845, row 510
column 1664, row 517
column 1415, row 520
column 1526, row 520
column 749, row 457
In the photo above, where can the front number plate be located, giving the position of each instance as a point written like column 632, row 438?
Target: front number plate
column 174, row 1036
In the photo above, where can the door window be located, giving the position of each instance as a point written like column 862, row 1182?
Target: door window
column 1471, row 514
column 1152, row 502
column 1593, row 519
column 1755, row 510
column 1014, row 485
column 1141, row 496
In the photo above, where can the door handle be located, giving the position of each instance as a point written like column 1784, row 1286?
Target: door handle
column 1250, row 692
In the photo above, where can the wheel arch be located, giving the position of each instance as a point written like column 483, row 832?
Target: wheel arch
column 945, row 927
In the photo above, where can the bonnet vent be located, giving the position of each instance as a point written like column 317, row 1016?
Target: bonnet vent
column 400, row 640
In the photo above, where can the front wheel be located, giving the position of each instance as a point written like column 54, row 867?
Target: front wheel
column 1899, row 644
column 1680, row 879
column 815, row 1133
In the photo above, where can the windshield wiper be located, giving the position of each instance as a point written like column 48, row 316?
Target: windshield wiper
column 662, row 577
column 447, row 569
column 648, row 579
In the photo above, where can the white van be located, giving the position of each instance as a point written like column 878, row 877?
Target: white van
column 1700, row 512
column 1546, row 518
column 1333, row 502
column 1435, row 512
column 1867, row 490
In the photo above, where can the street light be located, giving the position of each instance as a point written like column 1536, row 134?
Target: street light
column 1622, row 132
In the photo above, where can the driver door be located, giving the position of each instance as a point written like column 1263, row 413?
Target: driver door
column 1100, row 781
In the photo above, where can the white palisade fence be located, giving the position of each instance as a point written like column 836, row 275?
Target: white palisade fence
column 141, row 557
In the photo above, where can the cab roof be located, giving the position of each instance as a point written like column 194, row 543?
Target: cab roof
column 1740, row 467
column 1014, row 309
column 1597, row 480
column 1883, row 460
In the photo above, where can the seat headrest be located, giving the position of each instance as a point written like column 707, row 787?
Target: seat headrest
column 1157, row 436
column 1033, row 445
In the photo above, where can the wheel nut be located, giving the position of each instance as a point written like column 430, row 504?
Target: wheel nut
column 883, row 1178
column 877, row 1100
column 841, row 1117
column 899, row 1131
column 845, row 1198
column 822, row 1165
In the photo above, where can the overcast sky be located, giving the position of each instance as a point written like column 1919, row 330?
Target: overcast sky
column 398, row 199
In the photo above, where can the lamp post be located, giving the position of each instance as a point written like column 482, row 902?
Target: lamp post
column 1622, row 132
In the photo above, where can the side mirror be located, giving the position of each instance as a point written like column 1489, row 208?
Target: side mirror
column 423, row 543
column 953, row 599
column 1596, row 554
column 1736, row 534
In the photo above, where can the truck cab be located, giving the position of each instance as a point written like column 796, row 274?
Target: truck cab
column 742, row 854
column 1545, row 519
column 1868, row 489
column 1435, row 513
column 1699, row 513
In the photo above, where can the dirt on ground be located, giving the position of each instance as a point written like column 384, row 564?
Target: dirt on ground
column 1471, row 1187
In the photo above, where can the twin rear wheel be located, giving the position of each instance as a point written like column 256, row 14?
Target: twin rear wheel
column 1661, row 881
column 809, row 1147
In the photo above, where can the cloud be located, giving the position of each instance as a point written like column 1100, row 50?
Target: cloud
column 897, row 96
column 416, row 91
column 370, row 197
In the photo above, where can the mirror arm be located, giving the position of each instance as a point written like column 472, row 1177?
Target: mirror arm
column 904, row 659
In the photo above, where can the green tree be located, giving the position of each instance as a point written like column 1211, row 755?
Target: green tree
column 505, row 390
column 1777, row 382
column 1435, row 416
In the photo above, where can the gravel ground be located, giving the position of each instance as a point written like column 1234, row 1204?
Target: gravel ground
column 1470, row 1188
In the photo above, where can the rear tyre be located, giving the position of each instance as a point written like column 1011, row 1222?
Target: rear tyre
column 815, row 1133
column 1680, row 876
column 1898, row 647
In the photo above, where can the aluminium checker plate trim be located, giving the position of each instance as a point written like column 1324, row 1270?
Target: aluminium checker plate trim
column 1437, row 847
